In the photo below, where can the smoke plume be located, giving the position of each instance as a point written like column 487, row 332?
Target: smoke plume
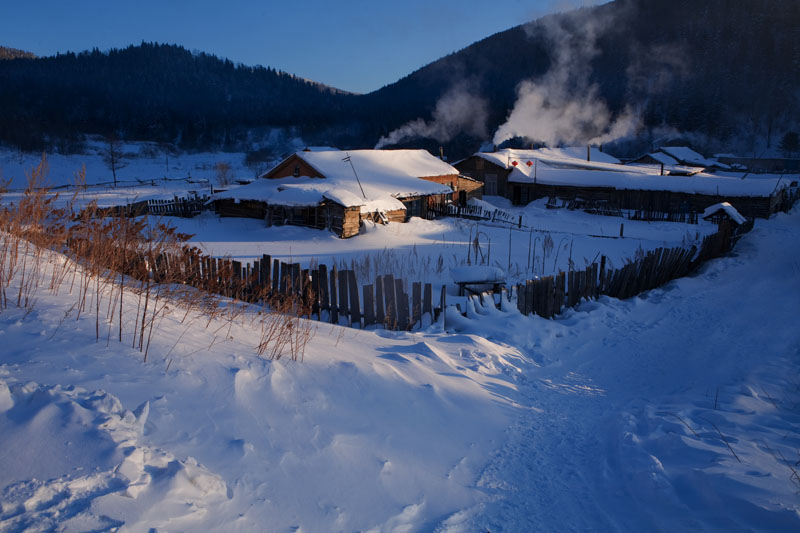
column 458, row 111
column 563, row 107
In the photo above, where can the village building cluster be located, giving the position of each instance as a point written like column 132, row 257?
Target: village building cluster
column 671, row 180
column 339, row 190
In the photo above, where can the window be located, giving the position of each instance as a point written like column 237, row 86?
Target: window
column 296, row 171
column 479, row 164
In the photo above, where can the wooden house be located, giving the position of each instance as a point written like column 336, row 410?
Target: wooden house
column 569, row 174
column 338, row 190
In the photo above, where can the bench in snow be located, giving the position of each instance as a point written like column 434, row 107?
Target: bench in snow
column 476, row 279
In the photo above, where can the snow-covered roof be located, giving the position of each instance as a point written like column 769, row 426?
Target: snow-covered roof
column 644, row 178
column 397, row 169
column 571, row 156
column 305, row 191
column 663, row 158
column 688, row 156
column 385, row 176
column 728, row 208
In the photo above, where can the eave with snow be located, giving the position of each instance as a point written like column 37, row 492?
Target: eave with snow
column 339, row 190
column 688, row 157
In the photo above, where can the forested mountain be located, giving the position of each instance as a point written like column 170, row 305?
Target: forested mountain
column 154, row 92
column 717, row 69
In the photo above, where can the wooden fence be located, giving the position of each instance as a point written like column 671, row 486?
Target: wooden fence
column 547, row 296
column 690, row 217
column 474, row 212
column 185, row 207
column 321, row 293
column 332, row 295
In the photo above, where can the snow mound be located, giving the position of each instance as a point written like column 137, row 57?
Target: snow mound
column 73, row 459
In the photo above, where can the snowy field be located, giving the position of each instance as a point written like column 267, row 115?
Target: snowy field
column 141, row 163
column 676, row 410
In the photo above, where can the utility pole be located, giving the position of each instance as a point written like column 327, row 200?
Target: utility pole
column 349, row 160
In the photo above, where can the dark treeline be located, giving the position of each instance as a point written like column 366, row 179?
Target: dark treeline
column 152, row 92
column 726, row 69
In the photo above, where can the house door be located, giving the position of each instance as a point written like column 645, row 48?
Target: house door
column 516, row 199
column 490, row 185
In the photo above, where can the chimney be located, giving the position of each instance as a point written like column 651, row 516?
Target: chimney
column 588, row 152
column 441, row 153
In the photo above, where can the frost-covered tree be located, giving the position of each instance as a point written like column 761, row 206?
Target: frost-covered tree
column 113, row 156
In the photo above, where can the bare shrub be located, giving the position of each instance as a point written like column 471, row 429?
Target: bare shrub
column 223, row 173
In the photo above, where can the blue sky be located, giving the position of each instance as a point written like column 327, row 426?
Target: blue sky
column 356, row 45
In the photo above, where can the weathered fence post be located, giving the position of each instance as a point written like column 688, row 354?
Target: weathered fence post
column 355, row 310
column 323, row 288
column 390, row 318
column 427, row 300
column 416, row 303
column 443, row 307
column 334, row 307
column 380, row 318
column 369, row 306
column 343, row 309
column 276, row 276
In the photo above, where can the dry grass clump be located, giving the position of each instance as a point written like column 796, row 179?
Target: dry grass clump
column 284, row 331
column 103, row 259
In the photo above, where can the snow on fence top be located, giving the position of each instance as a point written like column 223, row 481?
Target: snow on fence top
column 385, row 176
column 476, row 274
column 644, row 179
column 728, row 208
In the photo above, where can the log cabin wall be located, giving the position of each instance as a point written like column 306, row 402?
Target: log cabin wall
column 293, row 167
column 665, row 201
column 243, row 209
column 493, row 177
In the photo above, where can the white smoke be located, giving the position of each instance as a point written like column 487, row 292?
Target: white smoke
column 458, row 111
column 563, row 107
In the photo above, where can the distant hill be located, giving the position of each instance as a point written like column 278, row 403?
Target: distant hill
column 724, row 69
column 13, row 53
column 718, row 72
column 153, row 92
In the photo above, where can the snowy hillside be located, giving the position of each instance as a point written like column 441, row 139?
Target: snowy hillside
column 675, row 410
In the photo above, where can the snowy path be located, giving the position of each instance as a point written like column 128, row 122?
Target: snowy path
column 609, row 444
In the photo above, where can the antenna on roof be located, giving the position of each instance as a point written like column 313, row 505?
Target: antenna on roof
column 348, row 160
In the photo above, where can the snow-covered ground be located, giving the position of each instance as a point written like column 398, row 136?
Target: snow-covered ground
column 142, row 163
column 675, row 410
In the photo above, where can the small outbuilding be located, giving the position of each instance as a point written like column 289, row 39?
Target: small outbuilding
column 723, row 211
